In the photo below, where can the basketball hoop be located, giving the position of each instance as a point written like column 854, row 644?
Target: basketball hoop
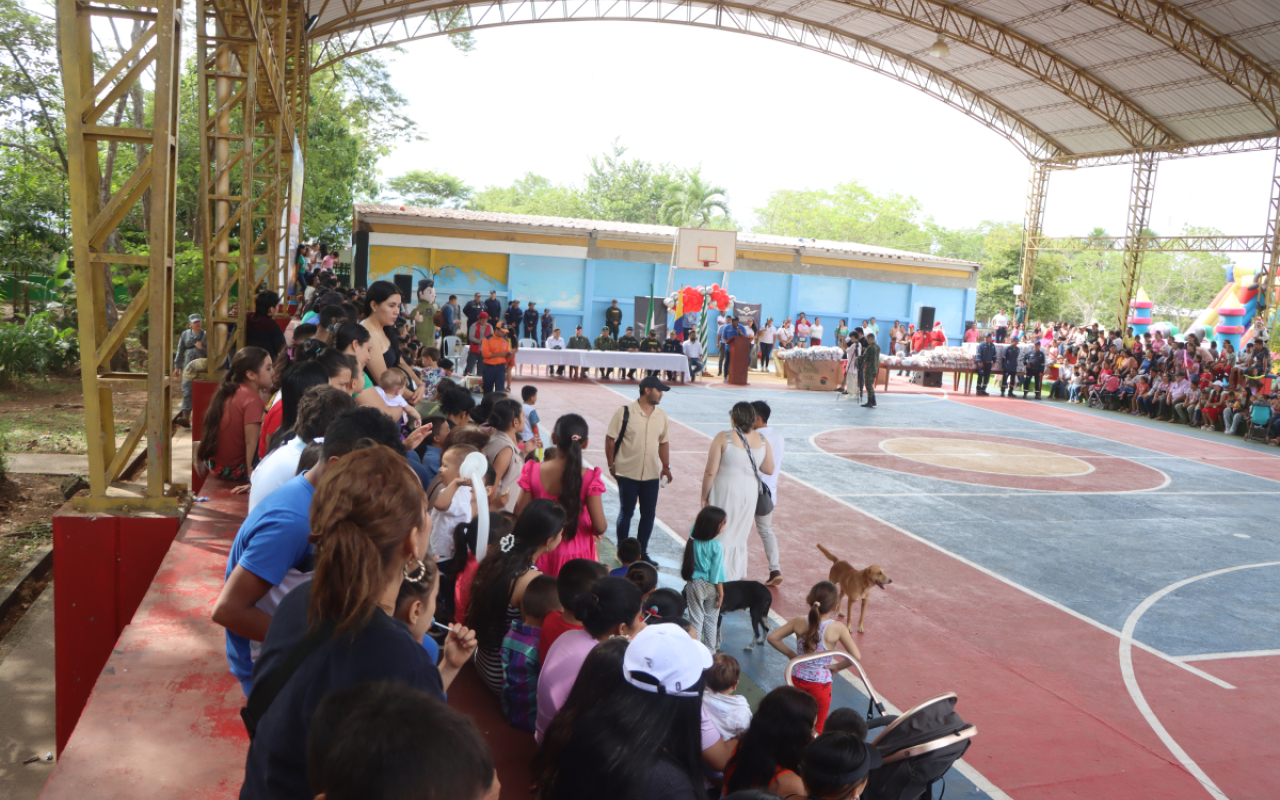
column 707, row 255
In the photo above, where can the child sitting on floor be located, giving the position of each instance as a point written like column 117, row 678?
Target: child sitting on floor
column 628, row 554
column 577, row 576
column 643, row 575
column 520, row 660
column 728, row 711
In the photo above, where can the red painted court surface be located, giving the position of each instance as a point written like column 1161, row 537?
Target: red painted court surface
column 1101, row 595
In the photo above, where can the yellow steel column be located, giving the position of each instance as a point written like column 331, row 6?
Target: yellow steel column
column 1032, row 229
column 1141, row 189
column 1271, row 251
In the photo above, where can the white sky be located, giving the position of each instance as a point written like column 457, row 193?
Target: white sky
column 759, row 116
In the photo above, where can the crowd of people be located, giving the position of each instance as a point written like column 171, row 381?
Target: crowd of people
column 355, row 592
column 1183, row 381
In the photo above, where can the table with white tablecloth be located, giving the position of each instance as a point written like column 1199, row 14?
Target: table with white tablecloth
column 605, row 359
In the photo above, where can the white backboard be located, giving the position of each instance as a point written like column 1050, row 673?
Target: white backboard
column 694, row 246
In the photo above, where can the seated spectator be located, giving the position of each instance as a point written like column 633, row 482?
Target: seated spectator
column 599, row 678
column 769, row 753
column 729, row 712
column 611, row 608
column 272, row 551
column 520, row 661
column 464, row 569
column 837, row 765
column 370, row 534
column 319, row 407
column 576, row 578
column 642, row 739
column 643, row 575
column 846, row 720
column 500, row 582
column 233, row 422
column 628, row 554
column 371, row 741
column 261, row 329
column 664, row 605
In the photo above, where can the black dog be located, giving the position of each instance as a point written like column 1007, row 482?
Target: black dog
column 756, row 598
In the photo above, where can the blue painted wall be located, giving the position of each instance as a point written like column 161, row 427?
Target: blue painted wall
column 579, row 290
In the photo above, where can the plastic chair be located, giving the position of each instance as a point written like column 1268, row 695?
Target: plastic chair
column 451, row 347
column 525, row 344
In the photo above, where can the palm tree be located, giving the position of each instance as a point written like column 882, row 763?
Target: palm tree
column 690, row 203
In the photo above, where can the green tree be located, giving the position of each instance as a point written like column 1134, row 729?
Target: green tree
column 619, row 189
column 1183, row 284
column 692, row 203
column 1090, row 284
column 430, row 189
column 848, row 213
column 1001, row 269
column 533, row 194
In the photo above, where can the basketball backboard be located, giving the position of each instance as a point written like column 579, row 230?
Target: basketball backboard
column 699, row 248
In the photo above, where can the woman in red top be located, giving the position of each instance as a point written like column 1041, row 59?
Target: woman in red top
column 234, row 418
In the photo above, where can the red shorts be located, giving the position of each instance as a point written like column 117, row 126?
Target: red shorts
column 820, row 692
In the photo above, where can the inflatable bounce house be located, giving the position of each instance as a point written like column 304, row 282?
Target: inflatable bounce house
column 1229, row 317
column 1140, row 312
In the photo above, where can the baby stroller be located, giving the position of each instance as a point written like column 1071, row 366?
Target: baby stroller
column 918, row 747
column 1259, row 420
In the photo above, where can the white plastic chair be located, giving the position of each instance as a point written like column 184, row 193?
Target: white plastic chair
column 451, row 347
column 524, row 344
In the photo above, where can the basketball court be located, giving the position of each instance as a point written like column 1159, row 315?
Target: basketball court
column 1100, row 593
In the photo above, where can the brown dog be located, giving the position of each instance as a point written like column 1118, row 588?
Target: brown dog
column 856, row 584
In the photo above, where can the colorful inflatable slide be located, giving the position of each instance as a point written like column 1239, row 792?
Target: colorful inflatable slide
column 1229, row 317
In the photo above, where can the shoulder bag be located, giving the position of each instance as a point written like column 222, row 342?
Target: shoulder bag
column 764, row 500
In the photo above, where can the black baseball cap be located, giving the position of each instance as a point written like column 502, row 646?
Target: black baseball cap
column 651, row 382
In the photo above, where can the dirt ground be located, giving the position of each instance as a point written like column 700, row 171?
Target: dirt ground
column 27, row 503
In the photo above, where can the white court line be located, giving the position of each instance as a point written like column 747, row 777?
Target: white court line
column 1131, row 681
column 1225, row 656
column 1098, row 457
column 963, row 767
column 908, row 492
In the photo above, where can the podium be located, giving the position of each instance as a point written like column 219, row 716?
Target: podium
column 739, row 361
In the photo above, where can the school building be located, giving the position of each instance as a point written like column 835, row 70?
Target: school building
column 577, row 267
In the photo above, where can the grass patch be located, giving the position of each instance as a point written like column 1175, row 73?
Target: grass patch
column 17, row 547
column 47, row 430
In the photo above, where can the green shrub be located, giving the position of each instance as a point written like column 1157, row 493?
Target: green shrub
column 35, row 348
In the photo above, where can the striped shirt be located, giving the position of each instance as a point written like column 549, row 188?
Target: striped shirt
column 520, row 667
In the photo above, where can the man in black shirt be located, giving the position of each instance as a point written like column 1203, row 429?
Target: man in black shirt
column 531, row 322
column 493, row 306
column 650, row 344
column 627, row 343
column 472, row 311
column 261, row 329
column 613, row 318
column 675, row 346
column 1035, row 371
column 986, row 360
column 1009, row 380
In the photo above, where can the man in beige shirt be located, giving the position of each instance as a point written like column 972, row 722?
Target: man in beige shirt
column 638, row 457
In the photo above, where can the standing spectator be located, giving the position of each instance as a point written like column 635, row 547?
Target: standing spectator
column 476, row 335
column 606, row 343
column 261, row 329
column 971, row 332
column 938, row 338
column 1020, row 313
column 768, row 334
column 703, row 571
column 842, row 333
column 730, row 481
column 555, row 341
column 493, row 306
column 327, row 258
column 764, row 524
column 729, row 331
column 548, row 324
column 613, row 318
column 693, row 352
column 449, row 314
column 191, row 345
column 233, row 422
column 577, row 489
column 494, row 351
column 382, row 311
column 1035, row 371
column 1009, row 363
column 531, row 322
column 1001, row 323
column 786, row 335
column 637, row 451
column 514, row 318
column 869, row 364
column 578, row 342
column 872, row 329
column 986, row 360
column 815, row 332
column 473, row 310
column 802, row 331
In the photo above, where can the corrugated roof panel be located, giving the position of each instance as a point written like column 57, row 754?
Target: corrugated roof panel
column 1235, row 122
column 661, row 231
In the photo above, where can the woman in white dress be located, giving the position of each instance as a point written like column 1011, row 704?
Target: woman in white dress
column 729, row 482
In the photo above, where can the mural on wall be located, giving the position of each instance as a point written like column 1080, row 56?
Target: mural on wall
column 477, row 272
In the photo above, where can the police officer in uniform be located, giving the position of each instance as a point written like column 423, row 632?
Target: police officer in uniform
column 578, row 342
column 1035, row 369
column 628, row 343
column 605, row 342
column 986, row 360
column 613, row 318
column 1009, row 380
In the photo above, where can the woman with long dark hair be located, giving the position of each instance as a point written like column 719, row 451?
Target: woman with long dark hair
column 735, row 460
column 600, row 676
column 498, row 587
column 329, row 366
column 611, row 608
column 233, row 421
column 456, row 403
column 505, row 452
column 577, row 489
column 353, row 341
column 643, row 739
column 837, row 765
column 382, row 302
column 769, row 753
column 371, row 534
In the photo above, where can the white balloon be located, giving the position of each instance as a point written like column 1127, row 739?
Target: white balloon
column 474, row 468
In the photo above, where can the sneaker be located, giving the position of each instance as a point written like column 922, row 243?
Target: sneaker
column 650, row 560
column 775, row 578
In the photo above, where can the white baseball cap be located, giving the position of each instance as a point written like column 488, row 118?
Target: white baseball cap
column 664, row 659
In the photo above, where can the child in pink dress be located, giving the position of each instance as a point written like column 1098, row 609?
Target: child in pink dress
column 584, row 510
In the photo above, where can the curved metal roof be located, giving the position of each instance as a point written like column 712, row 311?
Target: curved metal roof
column 1058, row 78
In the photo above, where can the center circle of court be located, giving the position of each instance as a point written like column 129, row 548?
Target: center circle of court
column 997, row 458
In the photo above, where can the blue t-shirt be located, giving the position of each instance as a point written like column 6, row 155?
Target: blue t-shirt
column 620, row 572
column 708, row 561
column 272, row 542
